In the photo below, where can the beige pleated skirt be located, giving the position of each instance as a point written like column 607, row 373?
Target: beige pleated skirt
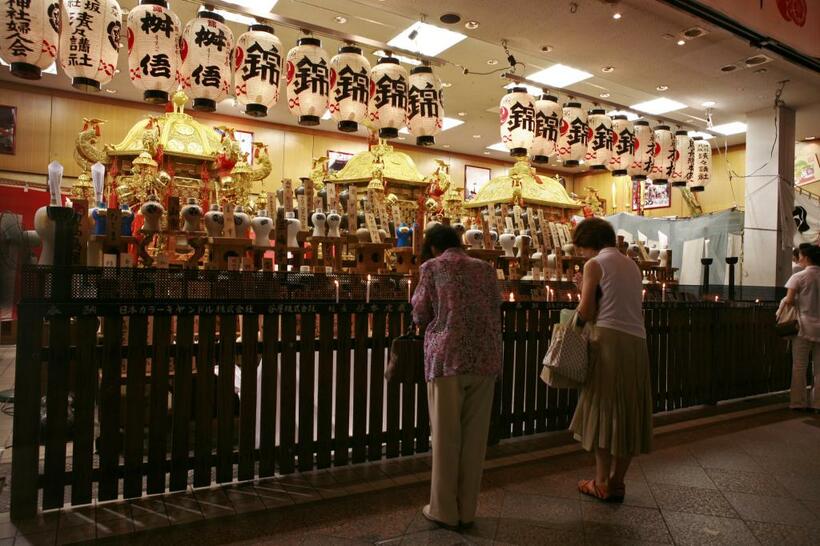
column 614, row 409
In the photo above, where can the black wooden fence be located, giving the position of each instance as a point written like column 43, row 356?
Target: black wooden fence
column 148, row 413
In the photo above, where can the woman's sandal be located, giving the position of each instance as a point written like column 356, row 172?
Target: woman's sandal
column 589, row 487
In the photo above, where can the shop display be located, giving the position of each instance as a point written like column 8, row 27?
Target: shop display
column 29, row 36
column 153, row 49
column 257, row 69
column 349, row 88
column 388, row 97
column 90, row 42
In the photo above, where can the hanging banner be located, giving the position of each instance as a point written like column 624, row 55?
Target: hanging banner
column 806, row 219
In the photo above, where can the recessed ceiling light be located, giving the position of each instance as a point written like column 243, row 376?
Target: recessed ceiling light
column 761, row 70
column 604, row 95
column 429, row 40
column 617, row 15
column 658, row 106
column 471, row 25
column 450, row 18
column 662, row 87
column 341, row 20
column 708, row 103
column 531, row 89
column 731, row 128
column 236, row 17
column 446, row 123
column 498, row 147
column 631, row 116
column 809, row 138
column 445, row 145
column 607, row 69
column 559, row 75
column 401, row 58
column 701, row 134
column 446, row 84
column 681, row 42
column 111, row 91
column 486, row 153
column 462, row 114
column 476, row 136
column 492, row 62
column 262, row 6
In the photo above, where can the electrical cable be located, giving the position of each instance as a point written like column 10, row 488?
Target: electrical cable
column 511, row 60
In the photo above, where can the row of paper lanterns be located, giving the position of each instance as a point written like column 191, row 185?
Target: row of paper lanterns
column 542, row 128
column 202, row 57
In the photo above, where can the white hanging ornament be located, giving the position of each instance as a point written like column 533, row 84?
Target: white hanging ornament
column 548, row 114
column 388, row 97
column 684, row 159
column 574, row 135
column 517, row 121
column 599, row 147
column 29, row 36
column 425, row 109
column 205, row 50
column 702, row 173
column 664, row 161
column 90, row 42
column 257, row 69
column 153, row 49
column 644, row 156
column 308, row 76
column 349, row 88
column 623, row 145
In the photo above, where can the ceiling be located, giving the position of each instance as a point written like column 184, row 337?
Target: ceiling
column 641, row 46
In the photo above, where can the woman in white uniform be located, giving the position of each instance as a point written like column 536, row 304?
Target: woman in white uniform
column 804, row 294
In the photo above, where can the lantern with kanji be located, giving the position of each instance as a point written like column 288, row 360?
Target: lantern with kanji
column 153, row 49
column 684, row 159
column 599, row 147
column 257, row 63
column 664, row 161
column 349, row 88
column 548, row 114
column 623, row 145
column 90, row 42
column 388, row 97
column 425, row 109
column 574, row 135
column 205, row 49
column 517, row 121
column 644, row 155
column 702, row 173
column 308, row 75
column 29, row 35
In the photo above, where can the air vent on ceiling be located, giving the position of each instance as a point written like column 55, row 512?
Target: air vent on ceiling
column 450, row 18
column 757, row 60
column 694, row 32
column 728, row 68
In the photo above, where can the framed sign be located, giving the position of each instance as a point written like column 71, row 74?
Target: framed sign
column 8, row 129
column 336, row 161
column 655, row 196
column 474, row 180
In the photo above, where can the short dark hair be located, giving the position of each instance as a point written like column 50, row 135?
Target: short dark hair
column 811, row 252
column 594, row 233
column 441, row 238
column 796, row 253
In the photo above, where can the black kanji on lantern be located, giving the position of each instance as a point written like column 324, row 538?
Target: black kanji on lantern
column 577, row 132
column 18, row 25
column 207, row 76
column 521, row 117
column 626, row 142
column 602, row 138
column 310, row 75
column 262, row 62
column 352, row 85
column 82, row 21
column 670, row 156
column 92, row 5
column 546, row 126
column 154, row 24
column 206, row 37
column 390, row 91
column 423, row 101
column 158, row 66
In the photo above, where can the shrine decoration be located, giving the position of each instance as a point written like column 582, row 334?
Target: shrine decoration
column 308, row 80
column 517, row 121
column 548, row 114
column 684, row 159
column 599, row 147
column 349, row 88
column 702, row 173
column 388, row 97
column 425, row 109
column 29, row 35
column 257, row 69
column 205, row 50
column 574, row 135
column 664, row 162
column 644, row 156
column 90, row 42
column 153, row 49
column 623, row 145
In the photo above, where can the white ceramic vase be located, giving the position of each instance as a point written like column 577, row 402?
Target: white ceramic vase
column 319, row 219
column 44, row 226
column 294, row 227
column 507, row 241
column 214, row 221
column 262, row 225
column 152, row 211
column 191, row 215
column 474, row 238
column 242, row 222
column 333, row 223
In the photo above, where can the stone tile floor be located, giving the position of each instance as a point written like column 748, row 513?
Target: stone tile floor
column 750, row 480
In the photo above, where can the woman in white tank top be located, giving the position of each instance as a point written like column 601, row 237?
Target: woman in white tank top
column 614, row 413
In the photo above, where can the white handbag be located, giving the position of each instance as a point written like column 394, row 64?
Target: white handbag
column 567, row 359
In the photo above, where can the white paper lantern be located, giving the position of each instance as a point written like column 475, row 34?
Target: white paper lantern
column 308, row 75
column 257, row 69
column 90, row 42
column 684, row 159
column 205, row 50
column 599, row 147
column 517, row 121
column 623, row 145
column 574, row 135
column 644, row 156
column 702, row 174
column 349, row 88
column 29, row 36
column 153, row 49
column 425, row 109
column 548, row 114
column 388, row 97
column 664, row 162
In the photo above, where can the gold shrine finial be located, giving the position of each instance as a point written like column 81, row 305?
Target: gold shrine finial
column 179, row 99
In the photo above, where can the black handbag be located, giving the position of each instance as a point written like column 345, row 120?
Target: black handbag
column 406, row 362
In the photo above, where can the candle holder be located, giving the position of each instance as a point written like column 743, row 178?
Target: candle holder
column 706, row 262
column 732, row 262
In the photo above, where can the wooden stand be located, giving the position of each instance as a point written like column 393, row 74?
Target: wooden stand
column 370, row 257
column 223, row 248
column 142, row 249
column 490, row 256
column 406, row 261
column 331, row 253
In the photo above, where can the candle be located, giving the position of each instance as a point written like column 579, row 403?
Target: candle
column 336, row 282
column 663, row 292
column 643, row 295
column 409, row 290
column 512, row 297
column 717, row 299
column 706, row 248
column 569, row 297
column 614, row 193
column 367, row 291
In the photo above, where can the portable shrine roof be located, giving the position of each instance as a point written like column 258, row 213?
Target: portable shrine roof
column 521, row 183
column 395, row 167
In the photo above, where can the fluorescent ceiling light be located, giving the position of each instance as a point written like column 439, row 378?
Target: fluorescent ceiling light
column 631, row 116
column 531, row 89
column 236, row 17
column 498, row 147
column 446, row 123
column 264, row 6
column 559, row 75
column 701, row 134
column 427, row 39
column 401, row 58
column 658, row 106
column 732, row 128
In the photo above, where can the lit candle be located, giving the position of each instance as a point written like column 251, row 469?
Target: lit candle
column 367, row 291
column 717, row 299
column 409, row 290
column 663, row 292
column 336, row 282
column 614, row 194
column 706, row 248
column 512, row 297
column 579, row 297
column 643, row 295
column 569, row 297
